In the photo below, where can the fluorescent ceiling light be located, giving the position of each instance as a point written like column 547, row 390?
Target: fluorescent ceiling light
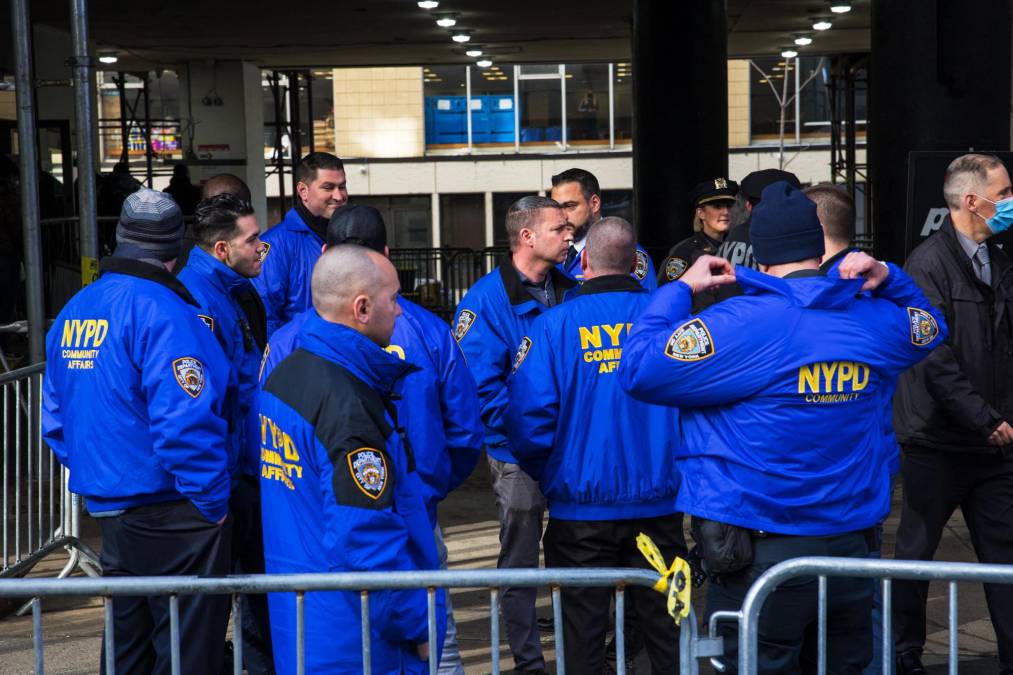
column 107, row 57
column 789, row 53
column 483, row 63
column 461, row 36
column 429, row 4
column 803, row 40
column 840, row 7
column 822, row 24
column 446, row 21
column 474, row 53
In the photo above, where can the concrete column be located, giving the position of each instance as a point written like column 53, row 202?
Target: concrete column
column 938, row 81
column 437, row 239
column 489, row 226
column 680, row 97
column 228, row 138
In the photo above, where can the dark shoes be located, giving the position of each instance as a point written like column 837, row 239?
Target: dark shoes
column 910, row 663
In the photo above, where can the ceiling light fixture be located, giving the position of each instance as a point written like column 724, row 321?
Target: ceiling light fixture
column 822, row 24
column 446, row 21
column 429, row 4
column 840, row 7
column 803, row 40
column 108, row 57
column 474, row 52
column 483, row 63
column 461, row 36
column 789, row 53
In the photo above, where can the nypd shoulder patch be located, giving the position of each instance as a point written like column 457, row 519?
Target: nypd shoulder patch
column 522, row 352
column 690, row 342
column 675, row 268
column 267, row 249
column 464, row 324
column 368, row 468
column 189, row 374
column 924, row 328
column 640, row 270
column 209, row 321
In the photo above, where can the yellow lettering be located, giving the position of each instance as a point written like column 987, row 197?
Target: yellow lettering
column 861, row 377
column 828, row 369
column 263, row 430
column 396, row 351
column 79, row 327
column 588, row 357
column 291, row 453
column 90, row 326
column 590, row 338
column 808, row 379
column 614, row 332
column 846, row 371
column 101, row 330
column 68, row 334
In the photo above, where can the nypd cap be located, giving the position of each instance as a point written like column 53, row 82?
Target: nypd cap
column 717, row 190
column 754, row 183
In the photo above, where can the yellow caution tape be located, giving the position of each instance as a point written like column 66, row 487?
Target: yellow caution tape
column 674, row 579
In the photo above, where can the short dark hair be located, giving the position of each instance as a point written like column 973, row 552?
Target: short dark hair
column 215, row 219
column 226, row 183
column 315, row 161
column 835, row 209
column 588, row 183
column 611, row 245
column 521, row 214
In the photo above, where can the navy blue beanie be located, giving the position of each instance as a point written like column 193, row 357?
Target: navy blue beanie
column 784, row 227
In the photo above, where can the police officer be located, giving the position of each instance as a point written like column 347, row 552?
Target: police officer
column 713, row 201
column 337, row 478
column 293, row 245
column 792, row 489
column 136, row 394
column 438, row 405
column 219, row 184
column 578, row 192
column 736, row 248
column 228, row 254
column 606, row 478
column 494, row 317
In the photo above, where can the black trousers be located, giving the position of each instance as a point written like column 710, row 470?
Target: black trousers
column 793, row 607
column 248, row 558
column 157, row 540
column 613, row 543
column 935, row 484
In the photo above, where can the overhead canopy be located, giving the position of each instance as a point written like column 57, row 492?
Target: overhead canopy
column 397, row 32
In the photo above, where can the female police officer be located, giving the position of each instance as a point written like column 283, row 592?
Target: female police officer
column 713, row 200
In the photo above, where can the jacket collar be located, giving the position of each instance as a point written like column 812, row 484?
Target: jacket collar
column 611, row 283
column 1000, row 262
column 518, row 295
column 218, row 273
column 353, row 351
column 295, row 223
column 316, row 224
column 814, row 292
column 834, row 261
column 143, row 270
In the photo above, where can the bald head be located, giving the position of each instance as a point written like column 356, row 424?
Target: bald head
column 226, row 183
column 611, row 248
column 357, row 287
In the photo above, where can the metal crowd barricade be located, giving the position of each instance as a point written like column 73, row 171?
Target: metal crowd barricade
column 438, row 278
column 748, row 618
column 362, row 582
column 40, row 515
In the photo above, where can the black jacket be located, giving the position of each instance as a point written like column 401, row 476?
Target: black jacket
column 955, row 398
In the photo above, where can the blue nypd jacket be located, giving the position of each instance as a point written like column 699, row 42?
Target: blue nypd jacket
column 339, row 492
column 598, row 453
column 890, row 445
column 136, row 392
column 781, row 393
column 644, row 272
column 215, row 286
column 284, row 281
column 492, row 319
column 438, row 405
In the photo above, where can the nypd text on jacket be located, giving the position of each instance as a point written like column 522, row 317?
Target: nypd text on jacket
column 780, row 393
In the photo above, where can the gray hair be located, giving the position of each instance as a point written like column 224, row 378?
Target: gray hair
column 966, row 174
column 342, row 273
column 523, row 213
column 611, row 246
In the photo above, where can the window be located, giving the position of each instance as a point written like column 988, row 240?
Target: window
column 623, row 102
column 462, row 221
column 587, row 104
column 501, row 202
column 408, row 218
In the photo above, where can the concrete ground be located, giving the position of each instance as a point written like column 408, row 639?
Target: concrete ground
column 73, row 628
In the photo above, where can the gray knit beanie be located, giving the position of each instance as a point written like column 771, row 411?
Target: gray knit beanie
column 152, row 222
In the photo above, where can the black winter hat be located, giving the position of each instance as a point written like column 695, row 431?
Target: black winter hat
column 754, row 184
column 784, row 227
column 150, row 225
column 357, row 224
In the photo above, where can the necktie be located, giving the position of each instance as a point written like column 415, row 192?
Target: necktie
column 984, row 265
column 571, row 254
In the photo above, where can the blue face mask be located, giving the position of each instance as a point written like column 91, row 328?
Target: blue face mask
column 1003, row 218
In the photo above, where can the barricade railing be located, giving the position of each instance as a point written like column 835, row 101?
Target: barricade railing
column 438, row 278
column 40, row 515
column 361, row 582
column 748, row 618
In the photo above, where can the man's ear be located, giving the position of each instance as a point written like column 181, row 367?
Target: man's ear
column 361, row 308
column 221, row 250
column 595, row 204
column 583, row 261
